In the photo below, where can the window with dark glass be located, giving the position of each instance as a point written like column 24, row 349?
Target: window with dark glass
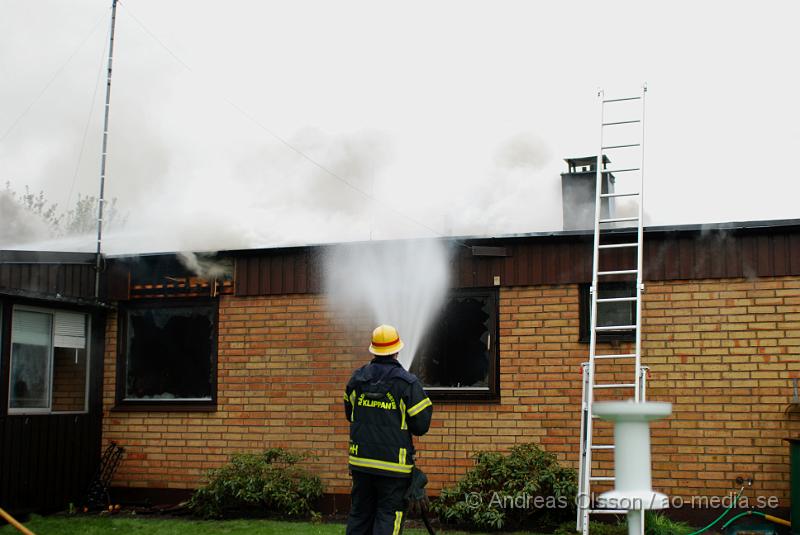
column 49, row 361
column 608, row 314
column 169, row 353
column 458, row 357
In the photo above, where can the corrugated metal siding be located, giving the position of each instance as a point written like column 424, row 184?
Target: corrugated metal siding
column 284, row 271
column 721, row 255
column 558, row 260
column 533, row 263
column 69, row 280
column 47, row 461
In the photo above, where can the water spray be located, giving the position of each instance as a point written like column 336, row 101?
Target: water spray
column 401, row 283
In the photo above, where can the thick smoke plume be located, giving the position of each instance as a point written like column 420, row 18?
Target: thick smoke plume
column 193, row 173
column 18, row 225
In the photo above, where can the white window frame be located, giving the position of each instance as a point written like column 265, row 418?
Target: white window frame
column 49, row 408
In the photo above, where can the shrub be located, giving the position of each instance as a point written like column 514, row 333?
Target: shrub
column 257, row 485
column 508, row 491
column 657, row 523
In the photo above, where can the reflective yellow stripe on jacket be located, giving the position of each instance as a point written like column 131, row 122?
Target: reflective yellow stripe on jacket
column 381, row 465
column 403, row 414
column 419, row 407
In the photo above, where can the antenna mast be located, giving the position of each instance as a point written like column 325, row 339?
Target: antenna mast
column 101, row 199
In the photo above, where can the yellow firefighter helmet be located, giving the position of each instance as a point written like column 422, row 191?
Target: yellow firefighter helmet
column 385, row 341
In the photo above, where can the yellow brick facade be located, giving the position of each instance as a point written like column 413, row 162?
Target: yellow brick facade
column 722, row 351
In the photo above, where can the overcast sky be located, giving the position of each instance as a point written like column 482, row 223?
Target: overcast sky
column 237, row 124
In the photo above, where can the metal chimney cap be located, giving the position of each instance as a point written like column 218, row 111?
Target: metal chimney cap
column 586, row 160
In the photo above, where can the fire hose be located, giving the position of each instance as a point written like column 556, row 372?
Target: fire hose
column 417, row 500
column 771, row 518
column 723, row 515
column 11, row 520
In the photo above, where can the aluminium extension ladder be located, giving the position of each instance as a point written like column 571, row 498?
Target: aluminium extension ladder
column 632, row 149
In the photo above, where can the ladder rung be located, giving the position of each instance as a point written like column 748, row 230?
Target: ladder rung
column 617, row 356
column 625, row 170
column 621, row 99
column 628, row 194
column 602, row 478
column 603, row 447
column 622, row 122
column 619, row 219
column 614, row 299
column 622, row 146
column 617, row 245
column 616, row 385
column 607, row 511
column 618, row 272
column 615, row 328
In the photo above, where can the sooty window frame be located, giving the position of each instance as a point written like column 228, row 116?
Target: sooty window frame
column 585, row 300
column 164, row 405
column 490, row 393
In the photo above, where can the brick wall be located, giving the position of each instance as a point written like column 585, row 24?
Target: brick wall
column 69, row 379
column 723, row 351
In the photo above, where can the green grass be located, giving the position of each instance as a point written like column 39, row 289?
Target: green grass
column 123, row 524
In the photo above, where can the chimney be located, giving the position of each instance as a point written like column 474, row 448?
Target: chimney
column 578, row 192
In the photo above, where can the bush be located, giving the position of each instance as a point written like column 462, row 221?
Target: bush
column 258, row 485
column 657, row 523
column 526, row 486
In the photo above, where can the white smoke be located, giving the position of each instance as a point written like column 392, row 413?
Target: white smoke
column 401, row 283
column 18, row 225
column 206, row 265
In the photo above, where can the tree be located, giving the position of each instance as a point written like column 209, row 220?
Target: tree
column 80, row 219
column 36, row 205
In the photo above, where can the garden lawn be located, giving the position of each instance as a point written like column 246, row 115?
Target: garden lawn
column 123, row 524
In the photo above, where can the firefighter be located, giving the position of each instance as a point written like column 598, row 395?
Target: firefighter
column 385, row 405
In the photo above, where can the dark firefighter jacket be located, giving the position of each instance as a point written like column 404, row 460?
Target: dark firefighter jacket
column 386, row 405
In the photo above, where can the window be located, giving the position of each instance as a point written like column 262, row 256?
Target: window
column 49, row 361
column 168, row 354
column 458, row 358
column 614, row 313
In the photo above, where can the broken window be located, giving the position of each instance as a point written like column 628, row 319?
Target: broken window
column 608, row 314
column 458, row 356
column 49, row 361
column 169, row 352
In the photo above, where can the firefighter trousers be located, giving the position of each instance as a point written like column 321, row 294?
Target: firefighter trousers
column 377, row 504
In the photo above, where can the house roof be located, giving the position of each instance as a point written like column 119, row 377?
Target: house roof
column 719, row 250
column 777, row 225
column 729, row 250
